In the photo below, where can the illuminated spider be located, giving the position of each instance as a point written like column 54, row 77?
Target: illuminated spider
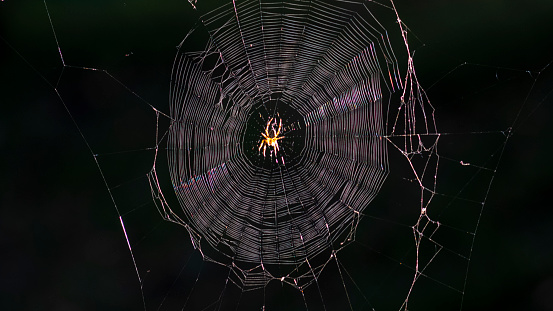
column 271, row 141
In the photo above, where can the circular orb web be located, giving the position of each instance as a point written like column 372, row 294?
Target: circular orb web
column 317, row 68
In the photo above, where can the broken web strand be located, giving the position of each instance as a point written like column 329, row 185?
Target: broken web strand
column 418, row 233
column 413, row 97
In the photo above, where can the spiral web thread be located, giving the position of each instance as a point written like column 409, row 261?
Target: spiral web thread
column 327, row 61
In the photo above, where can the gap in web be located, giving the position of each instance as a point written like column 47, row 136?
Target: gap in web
column 399, row 251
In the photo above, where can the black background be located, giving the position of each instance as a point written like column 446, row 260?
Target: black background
column 62, row 247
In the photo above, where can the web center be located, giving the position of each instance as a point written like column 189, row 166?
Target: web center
column 274, row 135
column 271, row 136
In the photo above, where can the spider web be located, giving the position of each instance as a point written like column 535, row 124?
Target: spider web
column 353, row 213
column 286, row 217
column 286, row 221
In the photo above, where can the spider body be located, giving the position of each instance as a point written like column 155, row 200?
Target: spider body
column 271, row 137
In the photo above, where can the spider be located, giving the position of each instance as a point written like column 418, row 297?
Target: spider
column 271, row 141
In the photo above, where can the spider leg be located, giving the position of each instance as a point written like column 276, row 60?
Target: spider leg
column 267, row 127
column 279, row 127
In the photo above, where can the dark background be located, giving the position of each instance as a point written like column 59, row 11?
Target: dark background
column 62, row 247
